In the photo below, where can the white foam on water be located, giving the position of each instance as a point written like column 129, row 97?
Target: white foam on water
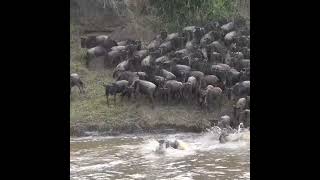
column 210, row 141
column 246, row 175
column 99, row 161
column 210, row 164
column 148, row 150
column 137, row 176
column 184, row 176
column 97, row 167
column 114, row 163
column 90, row 138
column 220, row 167
column 234, row 170
column 218, row 172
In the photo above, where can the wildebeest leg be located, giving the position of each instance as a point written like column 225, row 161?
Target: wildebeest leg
column 108, row 99
column 179, row 97
column 151, row 100
column 81, row 86
column 171, row 94
column 114, row 100
column 129, row 96
column 167, row 98
column 121, row 96
column 207, row 105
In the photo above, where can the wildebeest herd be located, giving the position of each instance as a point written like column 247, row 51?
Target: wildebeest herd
column 205, row 66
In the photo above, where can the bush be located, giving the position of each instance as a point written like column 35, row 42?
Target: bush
column 176, row 14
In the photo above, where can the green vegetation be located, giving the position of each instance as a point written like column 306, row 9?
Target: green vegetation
column 177, row 14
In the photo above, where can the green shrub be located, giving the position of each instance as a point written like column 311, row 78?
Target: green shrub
column 176, row 14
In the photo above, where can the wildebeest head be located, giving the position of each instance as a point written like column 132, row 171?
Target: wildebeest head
column 130, row 49
column 197, row 33
column 138, row 45
column 163, row 34
column 161, row 141
column 223, row 136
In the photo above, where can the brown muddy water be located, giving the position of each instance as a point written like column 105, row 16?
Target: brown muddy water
column 134, row 157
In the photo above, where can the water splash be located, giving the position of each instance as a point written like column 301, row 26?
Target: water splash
column 134, row 157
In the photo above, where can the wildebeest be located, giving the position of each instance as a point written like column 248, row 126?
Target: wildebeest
column 144, row 87
column 181, row 71
column 105, row 41
column 211, row 97
column 197, row 74
column 209, row 80
column 228, row 27
column 76, row 81
column 195, row 62
column 123, row 66
column 167, row 74
column 175, row 89
column 240, row 89
column 96, row 52
column 114, row 57
column 244, row 117
column 128, row 75
column 115, row 88
column 148, row 63
column 224, row 122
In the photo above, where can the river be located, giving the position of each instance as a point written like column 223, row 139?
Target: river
column 134, row 157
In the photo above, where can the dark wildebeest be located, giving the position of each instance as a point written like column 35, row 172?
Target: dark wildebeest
column 115, row 88
column 76, row 81
column 240, row 89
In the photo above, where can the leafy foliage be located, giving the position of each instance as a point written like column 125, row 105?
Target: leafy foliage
column 179, row 13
